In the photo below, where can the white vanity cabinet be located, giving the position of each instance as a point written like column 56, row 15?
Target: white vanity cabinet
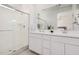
column 40, row 43
column 65, row 45
column 71, row 49
column 35, row 43
column 57, row 48
column 53, row 44
column 46, row 45
column 72, row 46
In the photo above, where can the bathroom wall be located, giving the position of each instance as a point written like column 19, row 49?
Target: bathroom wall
column 28, row 8
column 44, row 6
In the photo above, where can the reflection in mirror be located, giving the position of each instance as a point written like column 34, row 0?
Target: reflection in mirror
column 56, row 17
column 76, row 18
column 43, row 24
column 48, row 18
column 64, row 19
column 77, row 13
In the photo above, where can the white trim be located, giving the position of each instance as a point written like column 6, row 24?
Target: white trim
column 6, row 7
column 17, row 52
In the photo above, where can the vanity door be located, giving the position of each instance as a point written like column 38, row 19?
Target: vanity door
column 46, row 45
column 57, row 48
column 35, row 43
column 71, row 49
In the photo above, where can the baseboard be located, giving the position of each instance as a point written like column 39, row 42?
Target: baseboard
column 19, row 50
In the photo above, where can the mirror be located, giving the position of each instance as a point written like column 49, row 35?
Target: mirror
column 48, row 18
column 56, row 17
column 64, row 17
column 77, row 13
column 76, row 17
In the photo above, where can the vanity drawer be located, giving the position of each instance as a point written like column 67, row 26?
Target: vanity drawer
column 46, row 43
column 35, row 35
column 71, row 41
column 46, row 52
column 57, row 39
column 71, row 49
column 57, row 48
column 47, row 37
column 67, row 40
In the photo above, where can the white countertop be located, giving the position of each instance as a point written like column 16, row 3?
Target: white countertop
column 74, row 34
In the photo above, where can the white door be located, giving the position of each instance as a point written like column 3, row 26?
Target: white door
column 21, row 30
column 13, row 30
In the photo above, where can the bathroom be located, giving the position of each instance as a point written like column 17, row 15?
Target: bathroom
column 39, row 29
column 55, row 30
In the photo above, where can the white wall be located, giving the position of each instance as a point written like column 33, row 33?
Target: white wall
column 44, row 6
column 28, row 8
